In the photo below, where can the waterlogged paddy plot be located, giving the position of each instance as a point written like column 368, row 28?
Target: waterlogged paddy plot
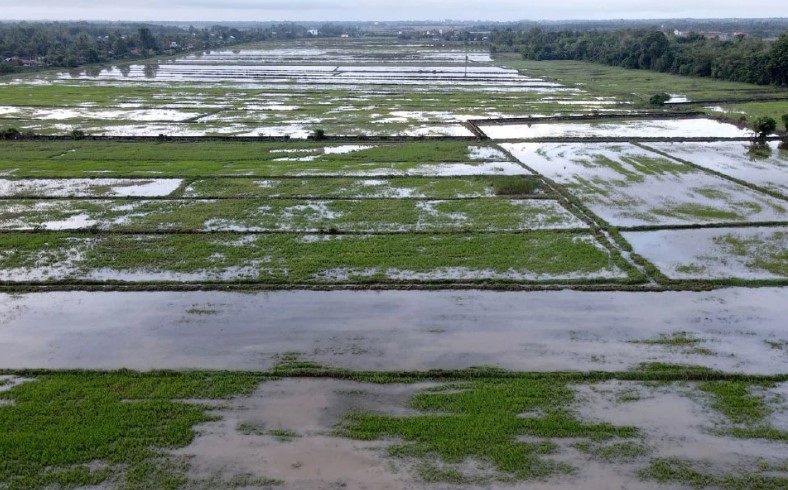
column 720, row 253
column 466, row 187
column 290, row 259
column 204, row 223
column 347, row 88
column 331, row 213
column 628, row 186
column 47, row 188
column 635, row 128
column 482, row 430
column 336, row 216
column 764, row 165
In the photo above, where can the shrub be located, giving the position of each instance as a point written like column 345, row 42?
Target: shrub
column 785, row 121
column 763, row 126
column 659, row 99
column 77, row 134
column 10, row 134
column 319, row 134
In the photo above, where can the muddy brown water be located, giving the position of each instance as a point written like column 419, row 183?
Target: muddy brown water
column 392, row 330
column 673, row 422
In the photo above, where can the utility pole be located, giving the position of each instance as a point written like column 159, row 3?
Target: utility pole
column 466, row 59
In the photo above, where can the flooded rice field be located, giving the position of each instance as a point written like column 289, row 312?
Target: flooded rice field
column 394, row 330
column 329, row 258
column 333, row 213
column 597, row 313
column 718, row 253
column 305, row 216
column 490, row 221
column 88, row 187
column 276, row 91
column 628, row 185
column 364, row 52
column 636, row 128
column 248, row 438
column 765, row 165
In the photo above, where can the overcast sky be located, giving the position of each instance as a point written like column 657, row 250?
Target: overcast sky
column 325, row 10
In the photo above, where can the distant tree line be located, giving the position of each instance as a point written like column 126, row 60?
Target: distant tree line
column 760, row 28
column 741, row 58
column 25, row 46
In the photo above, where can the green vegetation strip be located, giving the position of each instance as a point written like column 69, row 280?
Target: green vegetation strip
column 211, row 158
column 317, row 259
column 335, row 216
column 685, row 473
column 404, row 187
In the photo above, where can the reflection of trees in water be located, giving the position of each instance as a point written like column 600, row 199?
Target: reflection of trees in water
column 74, row 73
column 759, row 150
column 150, row 70
column 125, row 70
column 93, row 71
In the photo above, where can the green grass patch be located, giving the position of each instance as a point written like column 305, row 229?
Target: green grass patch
column 682, row 472
column 736, row 401
column 745, row 410
column 483, row 422
column 768, row 251
column 678, row 340
column 613, row 452
column 60, row 427
column 516, row 186
column 696, row 211
column 70, row 429
column 753, row 110
column 281, row 435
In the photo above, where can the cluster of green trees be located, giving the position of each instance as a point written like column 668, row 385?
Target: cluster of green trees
column 56, row 44
column 766, row 28
column 742, row 58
